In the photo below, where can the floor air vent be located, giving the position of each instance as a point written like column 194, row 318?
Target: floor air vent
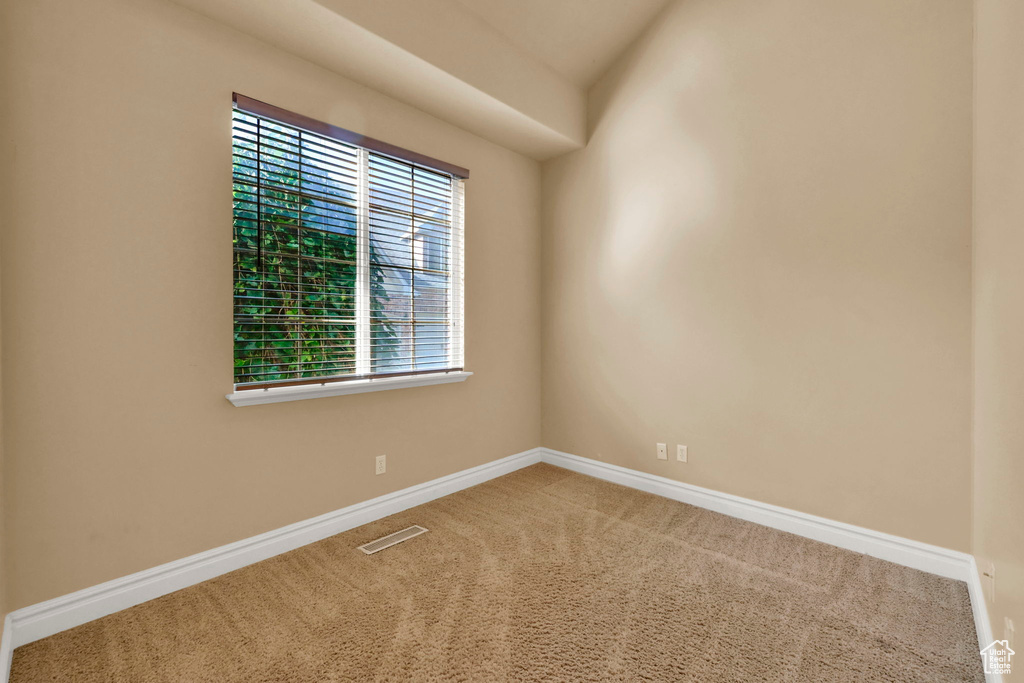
column 392, row 539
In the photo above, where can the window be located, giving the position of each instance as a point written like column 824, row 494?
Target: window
column 347, row 255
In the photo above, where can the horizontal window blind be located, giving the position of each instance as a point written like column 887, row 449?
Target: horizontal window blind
column 347, row 261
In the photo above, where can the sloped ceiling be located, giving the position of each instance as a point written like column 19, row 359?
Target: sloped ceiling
column 578, row 39
column 512, row 71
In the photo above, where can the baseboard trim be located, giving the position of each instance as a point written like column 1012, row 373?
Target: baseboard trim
column 914, row 554
column 53, row 616
column 981, row 623
column 929, row 558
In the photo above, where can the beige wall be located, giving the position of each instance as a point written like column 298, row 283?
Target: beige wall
column 121, row 450
column 764, row 253
column 6, row 153
column 999, row 306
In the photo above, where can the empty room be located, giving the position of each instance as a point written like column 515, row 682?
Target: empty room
column 511, row 340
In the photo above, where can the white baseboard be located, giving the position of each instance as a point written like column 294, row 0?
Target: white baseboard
column 53, row 616
column 981, row 623
column 38, row 621
column 928, row 558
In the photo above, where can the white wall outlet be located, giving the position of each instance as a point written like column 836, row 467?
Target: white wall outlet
column 662, row 452
column 680, row 452
column 1008, row 630
column 382, row 464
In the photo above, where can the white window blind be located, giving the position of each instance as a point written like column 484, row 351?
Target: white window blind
column 348, row 254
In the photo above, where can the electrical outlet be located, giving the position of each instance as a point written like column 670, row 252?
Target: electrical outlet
column 382, row 464
column 662, row 452
column 680, row 452
column 1008, row 631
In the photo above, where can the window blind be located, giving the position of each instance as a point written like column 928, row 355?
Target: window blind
column 347, row 260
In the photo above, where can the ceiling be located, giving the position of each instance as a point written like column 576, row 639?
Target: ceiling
column 578, row 39
column 512, row 71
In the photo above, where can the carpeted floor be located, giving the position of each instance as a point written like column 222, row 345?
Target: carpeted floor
column 541, row 575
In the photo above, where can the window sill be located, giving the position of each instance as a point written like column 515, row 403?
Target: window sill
column 252, row 397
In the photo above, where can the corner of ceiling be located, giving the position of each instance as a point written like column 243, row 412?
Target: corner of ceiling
column 438, row 59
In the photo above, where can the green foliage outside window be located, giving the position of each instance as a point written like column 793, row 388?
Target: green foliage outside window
column 295, row 268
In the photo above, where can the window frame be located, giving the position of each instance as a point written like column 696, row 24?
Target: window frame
column 363, row 379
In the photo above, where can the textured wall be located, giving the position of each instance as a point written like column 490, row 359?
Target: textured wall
column 999, row 307
column 122, row 452
column 764, row 253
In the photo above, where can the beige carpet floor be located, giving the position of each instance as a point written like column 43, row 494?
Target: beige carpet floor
column 541, row 575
